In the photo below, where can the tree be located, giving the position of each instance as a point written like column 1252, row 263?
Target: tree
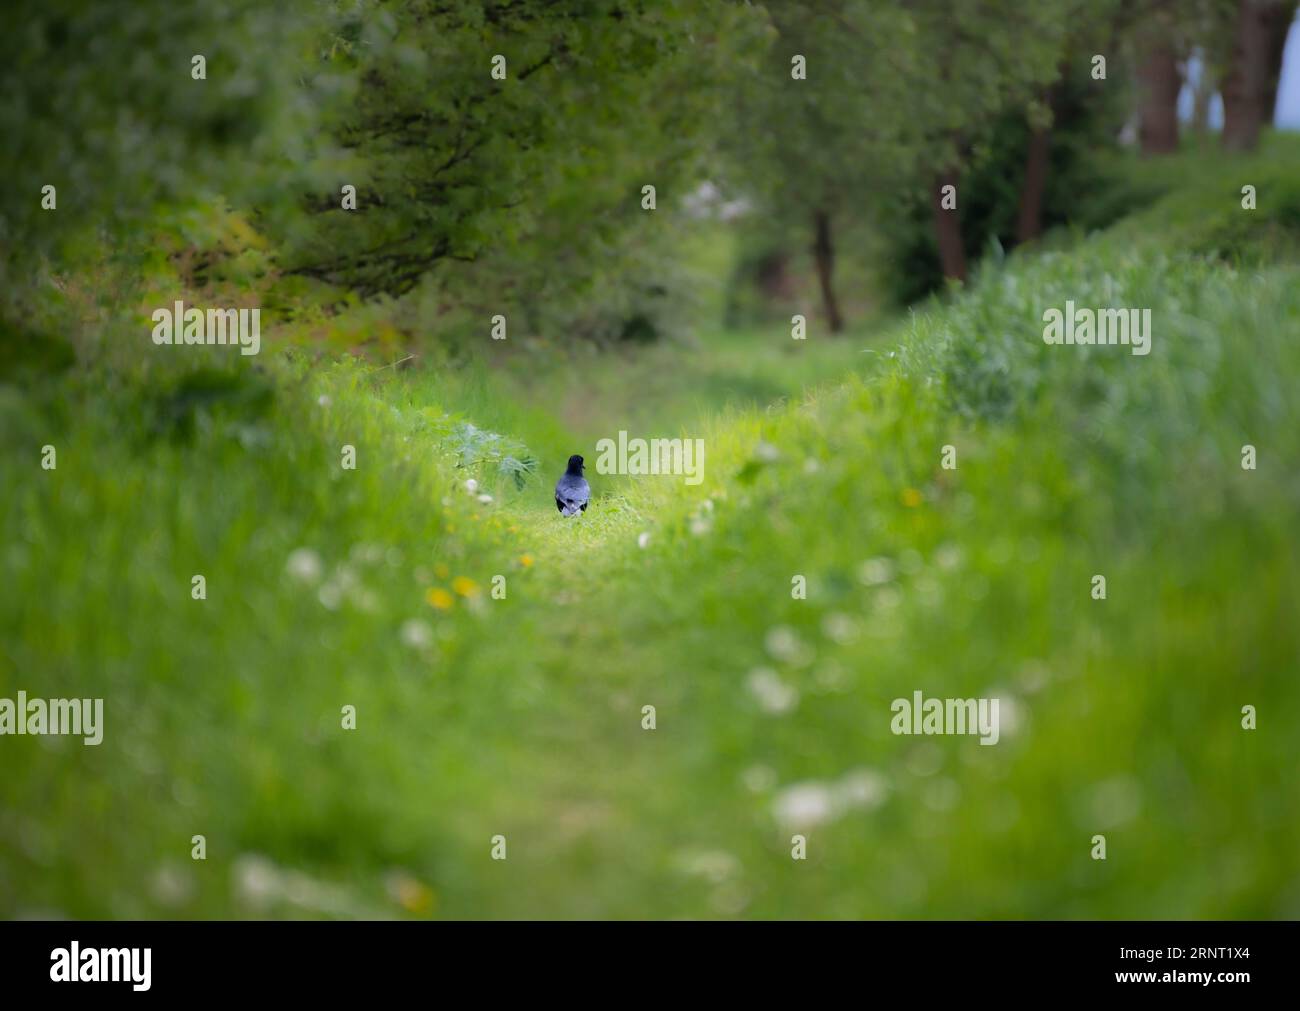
column 995, row 57
column 1159, row 82
column 1280, row 18
column 1164, row 35
column 812, row 133
column 1250, row 88
column 1246, row 84
column 469, row 126
column 896, row 102
column 1029, row 218
column 102, row 103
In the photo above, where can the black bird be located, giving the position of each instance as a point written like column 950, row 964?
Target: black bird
column 572, row 491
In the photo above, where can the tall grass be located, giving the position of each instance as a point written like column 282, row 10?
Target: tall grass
column 523, row 716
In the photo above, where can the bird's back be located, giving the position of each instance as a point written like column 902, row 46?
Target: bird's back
column 571, row 494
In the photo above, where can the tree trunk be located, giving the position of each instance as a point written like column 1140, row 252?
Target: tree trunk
column 1158, row 85
column 947, row 230
column 1029, row 222
column 1038, row 155
column 824, row 258
column 1245, row 87
column 1278, row 28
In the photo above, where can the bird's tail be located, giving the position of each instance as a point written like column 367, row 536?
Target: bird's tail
column 570, row 509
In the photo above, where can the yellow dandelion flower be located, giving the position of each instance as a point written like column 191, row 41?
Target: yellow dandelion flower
column 412, row 894
column 465, row 587
column 526, row 561
column 911, row 498
column 439, row 598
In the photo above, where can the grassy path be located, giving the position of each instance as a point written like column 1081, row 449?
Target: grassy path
column 522, row 717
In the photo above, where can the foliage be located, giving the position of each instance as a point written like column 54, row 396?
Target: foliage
column 98, row 101
column 1081, row 189
column 599, row 98
column 895, row 96
column 520, row 716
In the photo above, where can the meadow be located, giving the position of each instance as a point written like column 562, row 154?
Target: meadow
column 480, row 716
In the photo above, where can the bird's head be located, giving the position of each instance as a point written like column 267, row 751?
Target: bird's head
column 575, row 464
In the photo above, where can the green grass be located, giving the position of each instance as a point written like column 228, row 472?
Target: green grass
column 522, row 717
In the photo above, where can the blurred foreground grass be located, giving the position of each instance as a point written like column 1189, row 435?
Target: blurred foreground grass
column 522, row 717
